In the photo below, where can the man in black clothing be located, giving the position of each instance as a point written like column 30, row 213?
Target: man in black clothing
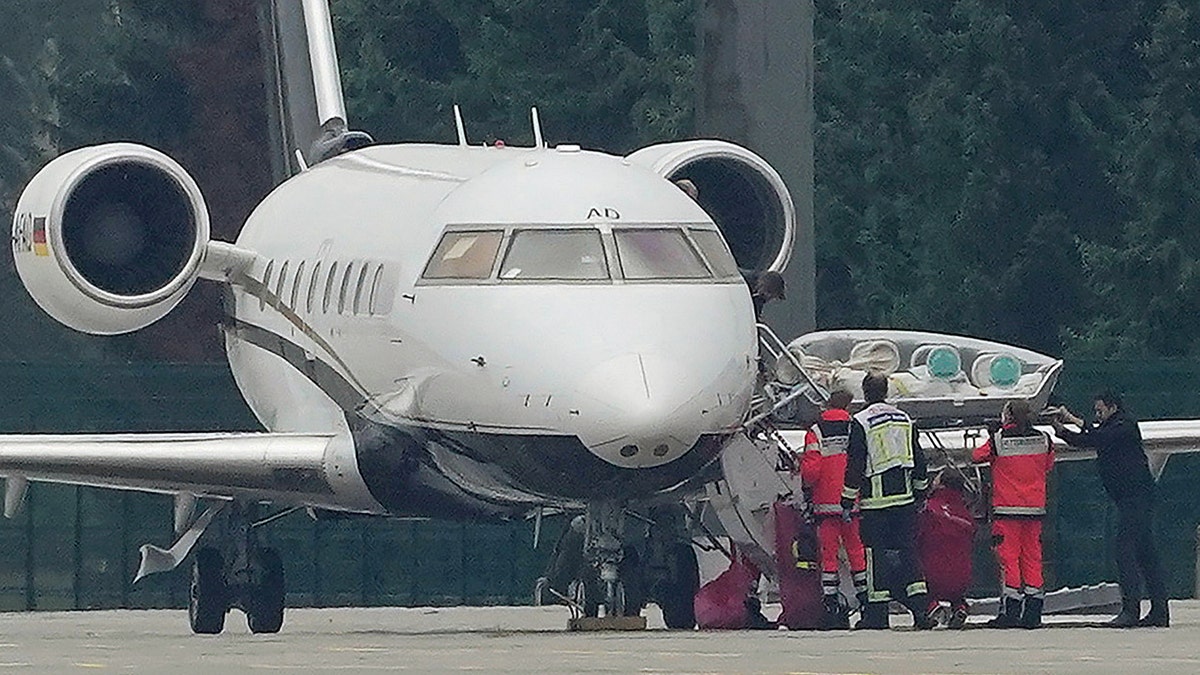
column 1125, row 472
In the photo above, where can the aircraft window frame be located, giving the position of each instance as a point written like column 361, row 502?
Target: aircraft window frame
column 704, row 273
column 296, row 286
column 329, row 281
column 279, row 284
column 358, row 288
column 512, row 240
column 734, row 273
column 428, row 272
column 345, row 285
column 266, row 284
column 312, row 287
column 375, row 299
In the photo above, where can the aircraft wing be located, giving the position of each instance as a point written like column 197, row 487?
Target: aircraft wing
column 1161, row 439
column 286, row 469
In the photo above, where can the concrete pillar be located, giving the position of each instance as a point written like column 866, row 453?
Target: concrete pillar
column 755, row 88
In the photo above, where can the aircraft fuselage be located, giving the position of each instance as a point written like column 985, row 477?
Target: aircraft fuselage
column 499, row 327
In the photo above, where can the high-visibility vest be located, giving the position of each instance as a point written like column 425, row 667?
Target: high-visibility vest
column 888, row 479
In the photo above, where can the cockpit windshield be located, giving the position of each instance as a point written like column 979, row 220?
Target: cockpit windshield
column 464, row 255
column 658, row 253
column 574, row 254
column 555, row 254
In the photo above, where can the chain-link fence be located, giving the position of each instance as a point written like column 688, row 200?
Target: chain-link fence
column 75, row 547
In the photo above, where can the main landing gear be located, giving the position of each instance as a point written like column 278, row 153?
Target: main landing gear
column 240, row 574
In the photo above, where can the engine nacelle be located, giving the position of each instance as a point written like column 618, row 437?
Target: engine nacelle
column 109, row 238
column 742, row 193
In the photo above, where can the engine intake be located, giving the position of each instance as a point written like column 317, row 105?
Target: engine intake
column 108, row 239
column 743, row 194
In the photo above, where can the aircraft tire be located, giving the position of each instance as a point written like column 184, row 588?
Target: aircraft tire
column 676, row 596
column 208, row 597
column 265, row 606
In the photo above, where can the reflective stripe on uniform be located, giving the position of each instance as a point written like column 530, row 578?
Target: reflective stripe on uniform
column 827, row 509
column 831, row 446
column 1016, row 446
column 1019, row 510
column 872, row 503
column 915, row 588
column 889, row 437
column 849, row 492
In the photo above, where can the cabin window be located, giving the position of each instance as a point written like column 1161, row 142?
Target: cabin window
column 713, row 247
column 312, row 288
column 657, row 253
column 464, row 255
column 359, row 306
column 279, row 284
column 266, row 282
column 329, row 281
column 346, row 276
column 296, row 287
column 576, row 254
column 377, row 292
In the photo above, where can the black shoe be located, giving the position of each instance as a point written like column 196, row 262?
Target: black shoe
column 1158, row 616
column 837, row 614
column 918, row 605
column 874, row 617
column 1010, row 614
column 1031, row 614
column 958, row 617
column 1126, row 619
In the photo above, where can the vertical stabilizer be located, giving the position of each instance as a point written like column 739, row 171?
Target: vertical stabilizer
column 308, row 111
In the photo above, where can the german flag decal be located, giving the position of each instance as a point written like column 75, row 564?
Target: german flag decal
column 39, row 237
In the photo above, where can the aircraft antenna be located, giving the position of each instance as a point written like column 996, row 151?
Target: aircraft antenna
column 458, row 123
column 300, row 160
column 538, row 142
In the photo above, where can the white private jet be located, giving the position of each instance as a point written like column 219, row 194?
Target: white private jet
column 457, row 331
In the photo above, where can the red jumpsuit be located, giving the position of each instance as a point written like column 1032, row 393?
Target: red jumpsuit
column 945, row 539
column 823, row 471
column 1021, row 459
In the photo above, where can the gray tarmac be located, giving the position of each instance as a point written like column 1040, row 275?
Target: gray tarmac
column 534, row 640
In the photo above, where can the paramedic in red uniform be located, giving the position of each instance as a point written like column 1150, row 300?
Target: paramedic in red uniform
column 1021, row 458
column 822, row 472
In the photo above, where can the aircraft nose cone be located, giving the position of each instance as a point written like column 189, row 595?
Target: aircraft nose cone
column 640, row 410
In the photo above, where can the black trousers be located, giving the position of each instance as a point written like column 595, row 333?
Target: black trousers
column 1137, row 557
column 889, row 536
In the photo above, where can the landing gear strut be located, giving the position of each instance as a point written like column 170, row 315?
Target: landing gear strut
column 239, row 574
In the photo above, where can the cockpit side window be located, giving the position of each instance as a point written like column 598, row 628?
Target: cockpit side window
column 657, row 253
column 713, row 247
column 464, row 255
column 576, row 254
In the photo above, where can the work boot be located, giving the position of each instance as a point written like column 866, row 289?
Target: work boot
column 836, row 616
column 1010, row 614
column 919, row 606
column 874, row 617
column 1128, row 618
column 1158, row 616
column 1031, row 615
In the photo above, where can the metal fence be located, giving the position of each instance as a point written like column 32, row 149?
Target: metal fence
column 75, row 547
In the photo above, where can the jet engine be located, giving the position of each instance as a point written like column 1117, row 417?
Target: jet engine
column 743, row 194
column 108, row 239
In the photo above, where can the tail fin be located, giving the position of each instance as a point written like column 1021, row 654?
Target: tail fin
column 307, row 111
